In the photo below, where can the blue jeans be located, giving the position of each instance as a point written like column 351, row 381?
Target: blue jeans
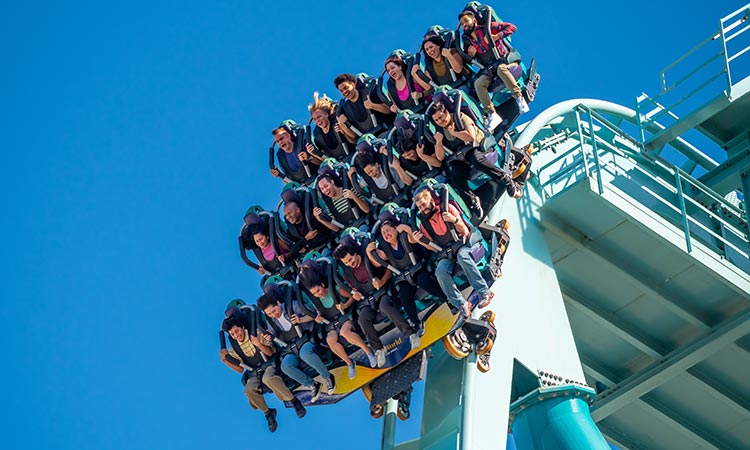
column 290, row 363
column 445, row 278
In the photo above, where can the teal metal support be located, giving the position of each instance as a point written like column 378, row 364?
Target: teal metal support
column 580, row 139
column 745, row 184
column 596, row 155
column 556, row 418
column 685, row 225
column 726, row 59
column 470, row 364
column 389, row 425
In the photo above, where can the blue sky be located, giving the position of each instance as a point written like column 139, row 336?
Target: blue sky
column 133, row 139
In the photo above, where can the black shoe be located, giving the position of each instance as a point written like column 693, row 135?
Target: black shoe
column 510, row 186
column 298, row 408
column 330, row 385
column 475, row 206
column 315, row 392
column 271, row 419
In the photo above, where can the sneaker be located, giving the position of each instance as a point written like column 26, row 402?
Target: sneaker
column 494, row 119
column 523, row 107
column 467, row 309
column 486, row 299
column 414, row 340
column 510, row 186
column 330, row 385
column 352, row 371
column 372, row 360
column 271, row 419
column 298, row 408
column 380, row 357
column 475, row 206
column 315, row 391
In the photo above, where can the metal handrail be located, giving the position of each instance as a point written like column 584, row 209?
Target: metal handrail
column 653, row 166
column 731, row 22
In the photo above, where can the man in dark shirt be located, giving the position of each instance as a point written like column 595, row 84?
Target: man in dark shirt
column 305, row 235
column 356, row 108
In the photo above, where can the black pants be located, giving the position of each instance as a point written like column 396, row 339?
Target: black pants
column 407, row 292
column 367, row 317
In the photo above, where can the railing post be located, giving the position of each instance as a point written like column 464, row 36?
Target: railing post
column 580, row 138
column 726, row 59
column 681, row 199
column 596, row 155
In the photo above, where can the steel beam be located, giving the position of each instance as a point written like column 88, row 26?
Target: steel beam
column 633, row 277
column 684, row 426
column 676, row 362
column 638, row 339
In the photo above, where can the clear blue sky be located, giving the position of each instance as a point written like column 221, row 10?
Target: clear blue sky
column 133, row 139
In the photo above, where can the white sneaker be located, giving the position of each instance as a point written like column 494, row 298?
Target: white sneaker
column 523, row 107
column 380, row 357
column 414, row 340
column 494, row 120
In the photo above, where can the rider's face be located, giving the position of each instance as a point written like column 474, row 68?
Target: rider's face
column 424, row 204
column 372, row 170
column 467, row 22
column 261, row 240
column 292, row 213
column 348, row 90
column 284, row 140
column 237, row 333
column 319, row 291
column 327, row 187
column 389, row 233
column 273, row 310
column 432, row 50
column 351, row 260
column 320, row 117
column 394, row 70
column 441, row 118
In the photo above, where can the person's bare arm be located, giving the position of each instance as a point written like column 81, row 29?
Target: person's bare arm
column 223, row 353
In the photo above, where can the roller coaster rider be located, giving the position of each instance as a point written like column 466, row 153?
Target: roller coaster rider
column 246, row 356
column 442, row 223
column 494, row 55
column 327, row 136
column 462, row 131
column 344, row 207
column 359, row 111
column 303, row 230
column 334, row 307
column 291, row 329
column 408, row 150
column 368, row 286
column 296, row 163
column 393, row 248
column 371, row 166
